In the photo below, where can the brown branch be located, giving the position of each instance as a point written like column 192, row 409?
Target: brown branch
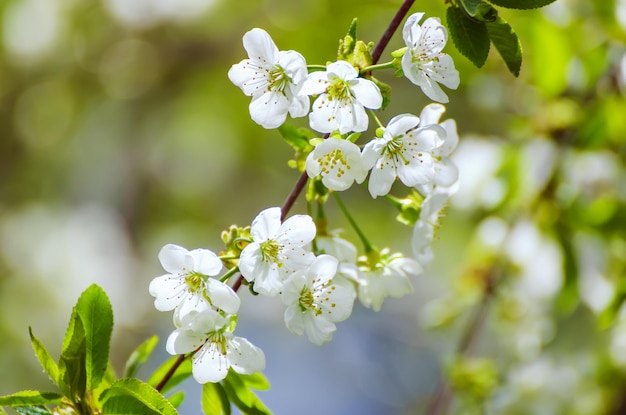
column 170, row 372
column 391, row 29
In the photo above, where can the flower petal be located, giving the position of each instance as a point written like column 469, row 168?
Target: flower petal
column 315, row 83
column 381, row 179
column 260, row 46
column 446, row 173
column 294, row 319
column 297, row 229
column 401, row 124
column 182, row 341
column 432, row 113
column 434, row 35
column 172, row 258
column 250, row 259
column 322, row 269
column 343, row 70
column 411, row 31
column 209, row 365
column 244, row 357
column 367, row 93
column 294, row 64
column 168, row 290
column 205, row 262
column 319, row 330
column 323, row 118
column 269, row 109
column 222, row 296
column 266, row 224
column 351, row 117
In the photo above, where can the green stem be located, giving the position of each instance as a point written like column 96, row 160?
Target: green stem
column 229, row 274
column 314, row 68
column 366, row 243
column 380, row 124
column 387, row 65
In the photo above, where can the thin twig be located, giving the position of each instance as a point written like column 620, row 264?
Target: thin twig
column 391, row 29
column 170, row 372
column 443, row 394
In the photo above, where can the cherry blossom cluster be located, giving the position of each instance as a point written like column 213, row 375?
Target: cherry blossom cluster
column 317, row 274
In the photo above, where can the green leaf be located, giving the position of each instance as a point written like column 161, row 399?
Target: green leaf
column 521, row 4
column 479, row 10
column 46, row 361
column 94, row 309
column 176, row 398
column 139, row 356
column 33, row 410
column 507, row 43
column 214, row 400
column 182, row 373
column 28, row 397
column 108, row 379
column 347, row 44
column 470, row 37
column 299, row 140
column 256, row 381
column 243, row 398
column 72, row 378
column 126, row 395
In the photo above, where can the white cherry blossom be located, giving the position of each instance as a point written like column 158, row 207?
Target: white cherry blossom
column 344, row 251
column 271, row 77
column 209, row 334
column 446, row 172
column 405, row 152
column 423, row 63
column 188, row 285
column 315, row 301
column 338, row 162
column 277, row 250
column 342, row 100
column 424, row 228
column 388, row 277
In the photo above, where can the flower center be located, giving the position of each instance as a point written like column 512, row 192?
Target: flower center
column 334, row 161
column 339, row 89
column 270, row 250
column 313, row 298
column 306, row 300
column 218, row 340
column 395, row 150
column 277, row 79
column 195, row 281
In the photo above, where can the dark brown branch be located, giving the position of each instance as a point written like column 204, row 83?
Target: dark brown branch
column 170, row 372
column 391, row 29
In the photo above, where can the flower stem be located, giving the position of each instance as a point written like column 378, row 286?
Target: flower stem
column 366, row 243
column 314, row 68
column 229, row 274
column 370, row 68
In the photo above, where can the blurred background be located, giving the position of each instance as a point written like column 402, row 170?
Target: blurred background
column 120, row 132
